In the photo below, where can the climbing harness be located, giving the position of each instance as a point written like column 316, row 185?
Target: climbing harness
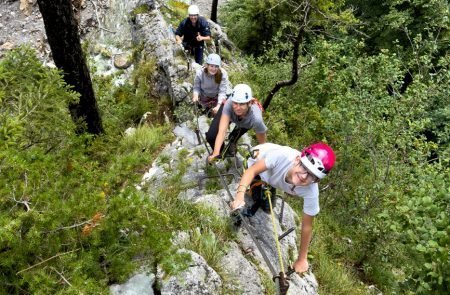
column 280, row 278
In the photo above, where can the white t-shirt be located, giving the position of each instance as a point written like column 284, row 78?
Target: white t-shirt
column 279, row 159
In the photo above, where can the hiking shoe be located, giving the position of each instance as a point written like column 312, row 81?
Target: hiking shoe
column 250, row 211
column 236, row 215
column 236, row 218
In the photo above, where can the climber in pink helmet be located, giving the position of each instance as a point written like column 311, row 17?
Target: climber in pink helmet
column 296, row 173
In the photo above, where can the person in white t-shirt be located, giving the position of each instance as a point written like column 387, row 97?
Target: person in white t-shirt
column 294, row 172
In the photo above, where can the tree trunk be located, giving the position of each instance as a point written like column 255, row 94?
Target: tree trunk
column 62, row 33
column 214, row 11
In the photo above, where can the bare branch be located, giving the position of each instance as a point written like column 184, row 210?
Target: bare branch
column 70, row 226
column 26, row 203
column 337, row 21
column 62, row 277
column 98, row 19
column 295, row 55
column 273, row 7
column 44, row 261
column 24, row 200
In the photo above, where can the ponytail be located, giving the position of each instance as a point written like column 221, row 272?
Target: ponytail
column 218, row 76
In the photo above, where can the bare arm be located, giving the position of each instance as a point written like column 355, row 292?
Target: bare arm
column 203, row 38
column 178, row 39
column 301, row 264
column 197, row 86
column 261, row 137
column 247, row 177
column 195, row 97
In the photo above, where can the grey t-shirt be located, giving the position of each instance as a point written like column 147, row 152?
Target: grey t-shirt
column 279, row 159
column 253, row 119
column 205, row 85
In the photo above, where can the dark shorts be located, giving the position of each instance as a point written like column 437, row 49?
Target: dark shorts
column 208, row 102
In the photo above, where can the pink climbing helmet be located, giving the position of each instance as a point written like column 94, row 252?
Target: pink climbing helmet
column 318, row 158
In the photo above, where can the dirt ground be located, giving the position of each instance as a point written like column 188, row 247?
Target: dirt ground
column 21, row 23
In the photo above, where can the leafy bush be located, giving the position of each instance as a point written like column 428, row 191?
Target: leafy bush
column 383, row 145
column 69, row 218
column 34, row 103
column 422, row 225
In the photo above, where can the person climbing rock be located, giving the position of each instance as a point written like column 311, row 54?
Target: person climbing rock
column 295, row 173
column 211, row 84
column 192, row 32
column 245, row 112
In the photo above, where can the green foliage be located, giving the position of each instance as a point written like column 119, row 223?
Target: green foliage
column 145, row 139
column 333, row 275
column 438, row 107
column 144, row 8
column 249, row 24
column 207, row 245
column 34, row 103
column 126, row 104
column 226, row 54
column 70, row 221
column 380, row 142
column 392, row 22
column 175, row 12
column 254, row 25
column 384, row 141
column 422, row 225
column 185, row 112
column 175, row 263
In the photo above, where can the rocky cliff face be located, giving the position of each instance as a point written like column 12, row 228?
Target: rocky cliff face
column 243, row 263
column 21, row 23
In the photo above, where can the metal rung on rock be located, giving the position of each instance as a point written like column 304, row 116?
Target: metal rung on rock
column 214, row 176
column 280, row 218
column 285, row 233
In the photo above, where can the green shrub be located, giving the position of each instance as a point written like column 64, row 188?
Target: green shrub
column 71, row 219
column 34, row 103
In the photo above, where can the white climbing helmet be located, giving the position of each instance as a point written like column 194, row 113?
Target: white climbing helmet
column 242, row 93
column 213, row 59
column 193, row 10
